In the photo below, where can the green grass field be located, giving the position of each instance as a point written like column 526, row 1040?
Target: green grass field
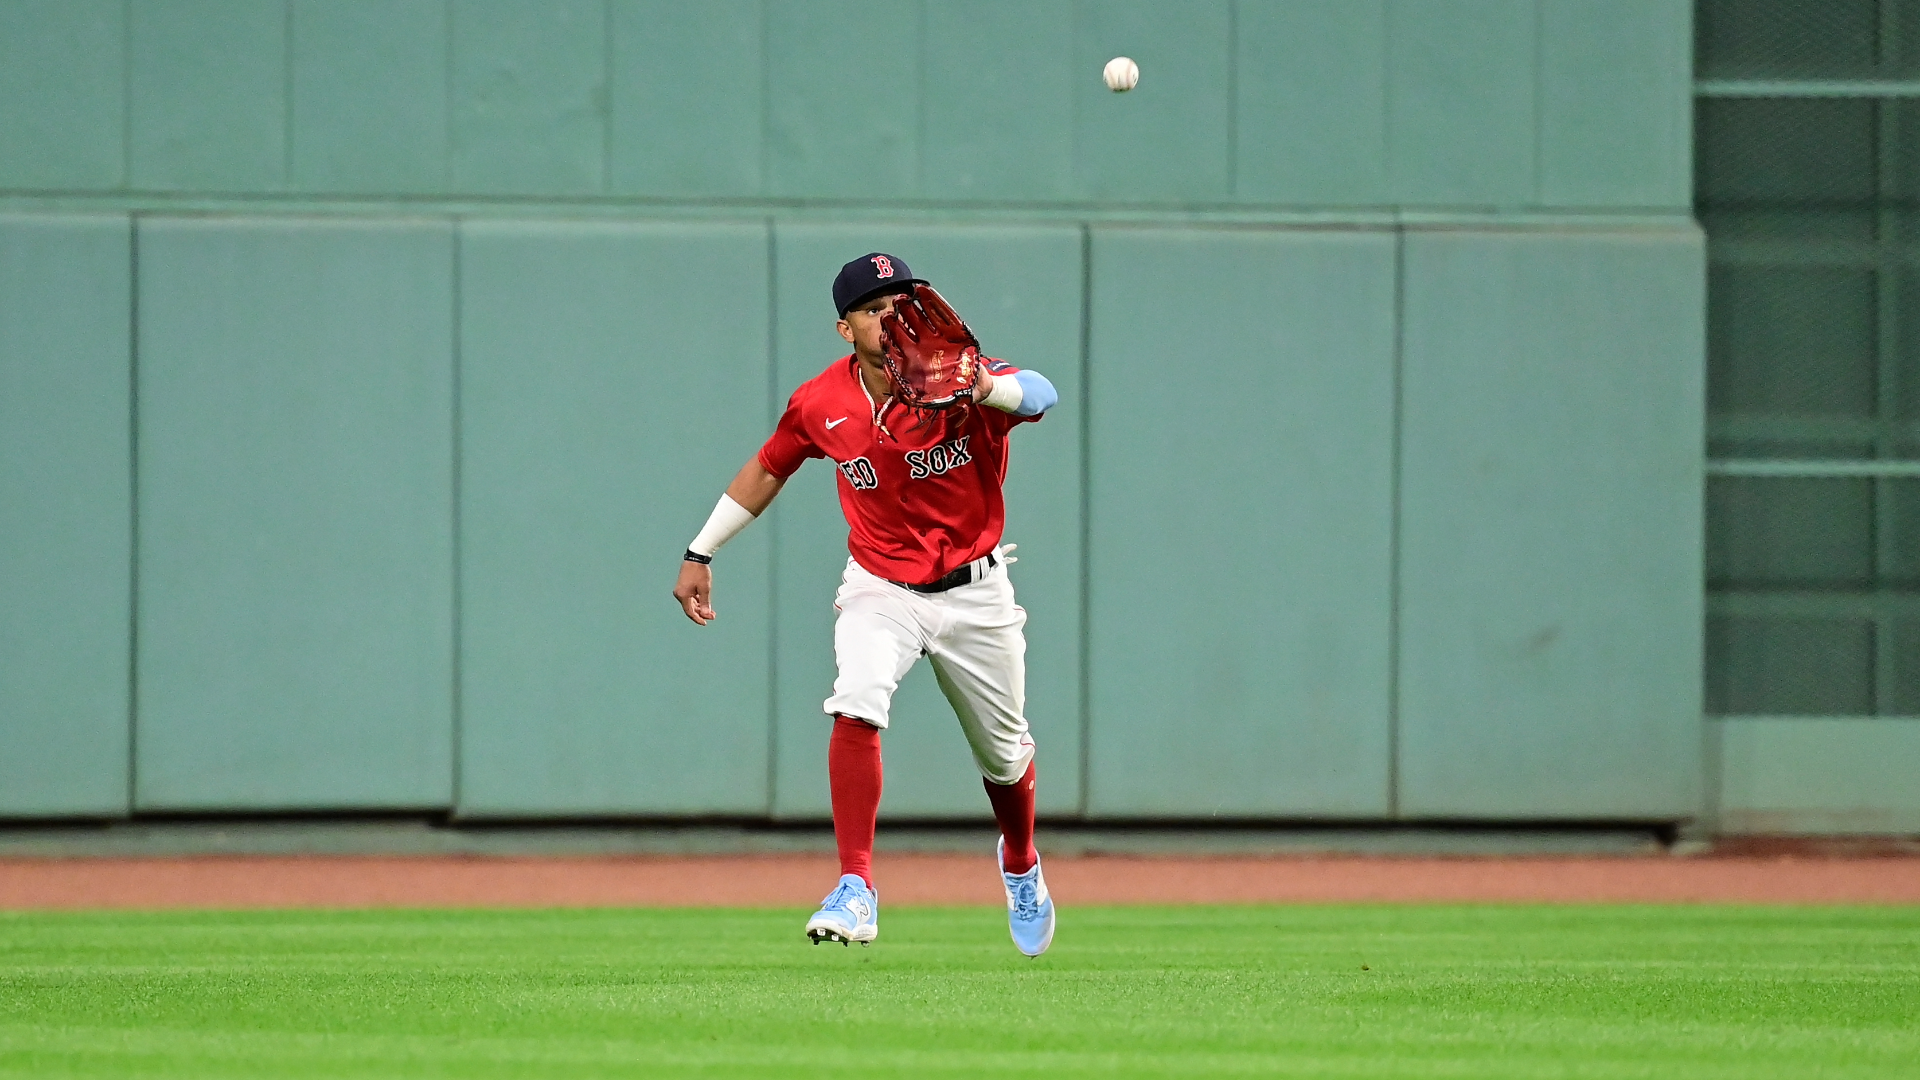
column 1354, row 991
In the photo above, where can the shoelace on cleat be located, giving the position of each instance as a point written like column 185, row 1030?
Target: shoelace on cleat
column 1026, row 898
column 841, row 893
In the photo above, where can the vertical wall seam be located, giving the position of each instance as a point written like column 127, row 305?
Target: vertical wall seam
column 1539, row 103
column 286, row 94
column 457, row 639
column 126, row 99
column 1395, row 497
column 133, row 512
column 773, row 526
column 1086, row 519
column 1073, row 104
column 920, row 100
column 766, row 118
column 1233, row 100
column 1685, row 139
column 606, row 97
column 1712, row 775
column 1390, row 191
column 448, row 128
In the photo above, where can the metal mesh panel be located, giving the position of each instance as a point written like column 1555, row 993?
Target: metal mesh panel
column 1786, row 665
column 1813, row 595
column 1904, row 695
column 1773, row 150
column 1791, row 341
column 1813, row 308
column 1813, row 533
column 1791, row 533
column 1828, row 39
column 1810, row 195
column 1905, row 405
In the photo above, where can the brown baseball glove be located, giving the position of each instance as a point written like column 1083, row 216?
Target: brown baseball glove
column 931, row 355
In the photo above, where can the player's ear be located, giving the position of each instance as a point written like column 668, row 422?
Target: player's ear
column 846, row 331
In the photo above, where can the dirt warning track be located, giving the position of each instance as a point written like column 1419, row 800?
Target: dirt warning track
column 799, row 880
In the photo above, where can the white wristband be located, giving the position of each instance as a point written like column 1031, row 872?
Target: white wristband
column 728, row 519
column 1006, row 394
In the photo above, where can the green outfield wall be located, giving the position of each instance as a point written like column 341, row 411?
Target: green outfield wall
column 365, row 366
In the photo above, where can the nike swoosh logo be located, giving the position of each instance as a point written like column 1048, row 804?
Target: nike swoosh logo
column 831, row 424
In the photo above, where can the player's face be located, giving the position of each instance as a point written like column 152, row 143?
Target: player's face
column 861, row 327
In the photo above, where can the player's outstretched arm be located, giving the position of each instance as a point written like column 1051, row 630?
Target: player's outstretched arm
column 751, row 492
column 754, row 487
column 1023, row 393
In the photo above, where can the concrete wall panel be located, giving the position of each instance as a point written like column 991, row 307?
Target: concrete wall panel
column 1169, row 138
column 689, row 98
column 1461, row 108
column 62, row 94
column 1312, row 74
column 1550, row 571
column 369, row 95
column 603, row 410
column 1820, row 775
column 530, row 101
column 1241, row 521
column 66, row 515
column 1010, row 135
column 844, row 99
column 1616, row 103
column 295, row 599
column 207, row 88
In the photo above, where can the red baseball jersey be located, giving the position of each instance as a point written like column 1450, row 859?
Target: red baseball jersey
column 921, row 501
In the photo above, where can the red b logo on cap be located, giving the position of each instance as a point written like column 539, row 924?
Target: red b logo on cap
column 882, row 266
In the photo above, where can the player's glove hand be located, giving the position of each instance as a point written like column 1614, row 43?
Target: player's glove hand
column 931, row 356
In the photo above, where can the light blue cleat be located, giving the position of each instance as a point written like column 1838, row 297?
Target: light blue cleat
column 1029, row 906
column 850, row 913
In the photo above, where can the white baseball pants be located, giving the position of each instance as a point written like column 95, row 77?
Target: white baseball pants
column 974, row 636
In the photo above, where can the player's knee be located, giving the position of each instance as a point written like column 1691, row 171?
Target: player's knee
column 1006, row 765
column 866, row 701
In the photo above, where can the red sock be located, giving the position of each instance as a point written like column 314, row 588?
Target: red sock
column 853, row 774
column 1013, row 809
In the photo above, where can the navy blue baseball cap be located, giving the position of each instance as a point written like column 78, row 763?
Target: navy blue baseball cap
column 870, row 275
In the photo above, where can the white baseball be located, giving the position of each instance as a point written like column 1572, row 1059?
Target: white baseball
column 1121, row 74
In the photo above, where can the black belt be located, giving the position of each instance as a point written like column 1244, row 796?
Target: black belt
column 962, row 576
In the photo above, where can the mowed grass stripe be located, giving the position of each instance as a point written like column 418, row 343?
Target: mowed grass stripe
column 1336, row 991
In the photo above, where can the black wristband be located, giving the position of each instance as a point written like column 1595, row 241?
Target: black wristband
column 694, row 556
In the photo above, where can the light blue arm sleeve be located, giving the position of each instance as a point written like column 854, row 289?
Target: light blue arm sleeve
column 1037, row 395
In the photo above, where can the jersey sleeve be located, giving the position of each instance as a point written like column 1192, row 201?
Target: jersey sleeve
column 789, row 446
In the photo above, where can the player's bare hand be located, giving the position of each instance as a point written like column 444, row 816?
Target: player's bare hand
column 694, row 590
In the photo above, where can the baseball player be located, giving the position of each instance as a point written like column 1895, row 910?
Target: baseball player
column 917, row 422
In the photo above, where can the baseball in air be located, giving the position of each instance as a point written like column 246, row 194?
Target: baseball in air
column 1122, row 74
